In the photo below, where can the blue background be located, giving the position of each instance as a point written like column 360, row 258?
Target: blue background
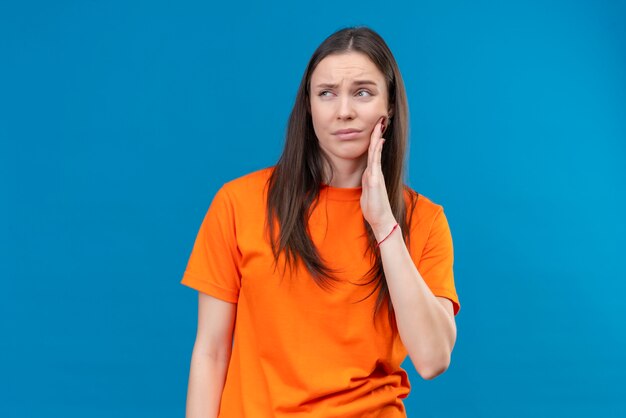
column 120, row 120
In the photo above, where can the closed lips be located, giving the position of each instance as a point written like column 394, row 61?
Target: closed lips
column 345, row 131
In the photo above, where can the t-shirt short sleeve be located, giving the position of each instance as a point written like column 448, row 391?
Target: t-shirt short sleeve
column 213, row 266
column 435, row 263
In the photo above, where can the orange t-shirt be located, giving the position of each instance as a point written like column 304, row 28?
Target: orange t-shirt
column 300, row 350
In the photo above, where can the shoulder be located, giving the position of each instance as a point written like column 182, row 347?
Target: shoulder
column 248, row 189
column 249, row 182
column 422, row 210
column 420, row 203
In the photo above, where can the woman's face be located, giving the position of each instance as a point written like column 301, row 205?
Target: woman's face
column 348, row 91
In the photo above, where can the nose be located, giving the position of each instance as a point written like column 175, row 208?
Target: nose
column 346, row 108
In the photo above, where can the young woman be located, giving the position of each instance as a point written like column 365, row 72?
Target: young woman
column 317, row 276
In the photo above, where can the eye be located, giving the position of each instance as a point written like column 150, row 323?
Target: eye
column 322, row 93
column 364, row 91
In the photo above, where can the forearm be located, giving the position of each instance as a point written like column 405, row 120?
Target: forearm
column 206, row 382
column 426, row 329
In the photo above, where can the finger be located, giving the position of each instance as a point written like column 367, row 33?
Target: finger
column 376, row 170
column 374, row 139
column 377, row 160
column 378, row 155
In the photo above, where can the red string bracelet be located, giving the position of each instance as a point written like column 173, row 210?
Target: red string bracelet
column 383, row 240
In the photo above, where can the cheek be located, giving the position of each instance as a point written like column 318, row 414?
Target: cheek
column 322, row 120
column 372, row 118
column 318, row 124
column 374, row 110
column 320, row 114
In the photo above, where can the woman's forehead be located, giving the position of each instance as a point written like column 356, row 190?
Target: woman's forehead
column 351, row 67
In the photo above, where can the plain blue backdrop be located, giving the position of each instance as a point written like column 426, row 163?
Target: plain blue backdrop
column 119, row 120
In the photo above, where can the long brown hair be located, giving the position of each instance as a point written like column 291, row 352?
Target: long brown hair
column 294, row 186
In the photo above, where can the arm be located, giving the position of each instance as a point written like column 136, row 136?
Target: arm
column 210, row 357
column 425, row 322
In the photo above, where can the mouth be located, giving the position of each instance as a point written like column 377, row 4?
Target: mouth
column 347, row 133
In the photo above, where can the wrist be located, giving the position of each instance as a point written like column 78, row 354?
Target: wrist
column 384, row 229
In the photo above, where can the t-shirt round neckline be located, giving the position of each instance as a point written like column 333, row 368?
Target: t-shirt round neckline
column 341, row 193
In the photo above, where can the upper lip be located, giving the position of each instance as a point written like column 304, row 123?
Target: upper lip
column 346, row 131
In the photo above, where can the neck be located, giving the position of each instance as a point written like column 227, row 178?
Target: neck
column 346, row 174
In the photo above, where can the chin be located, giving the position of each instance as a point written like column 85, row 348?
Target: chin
column 348, row 150
column 351, row 154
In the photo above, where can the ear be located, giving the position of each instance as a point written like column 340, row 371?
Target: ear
column 390, row 113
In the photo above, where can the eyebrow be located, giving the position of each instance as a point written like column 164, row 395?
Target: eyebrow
column 355, row 83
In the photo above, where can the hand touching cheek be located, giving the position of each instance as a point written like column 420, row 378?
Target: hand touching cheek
column 374, row 200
